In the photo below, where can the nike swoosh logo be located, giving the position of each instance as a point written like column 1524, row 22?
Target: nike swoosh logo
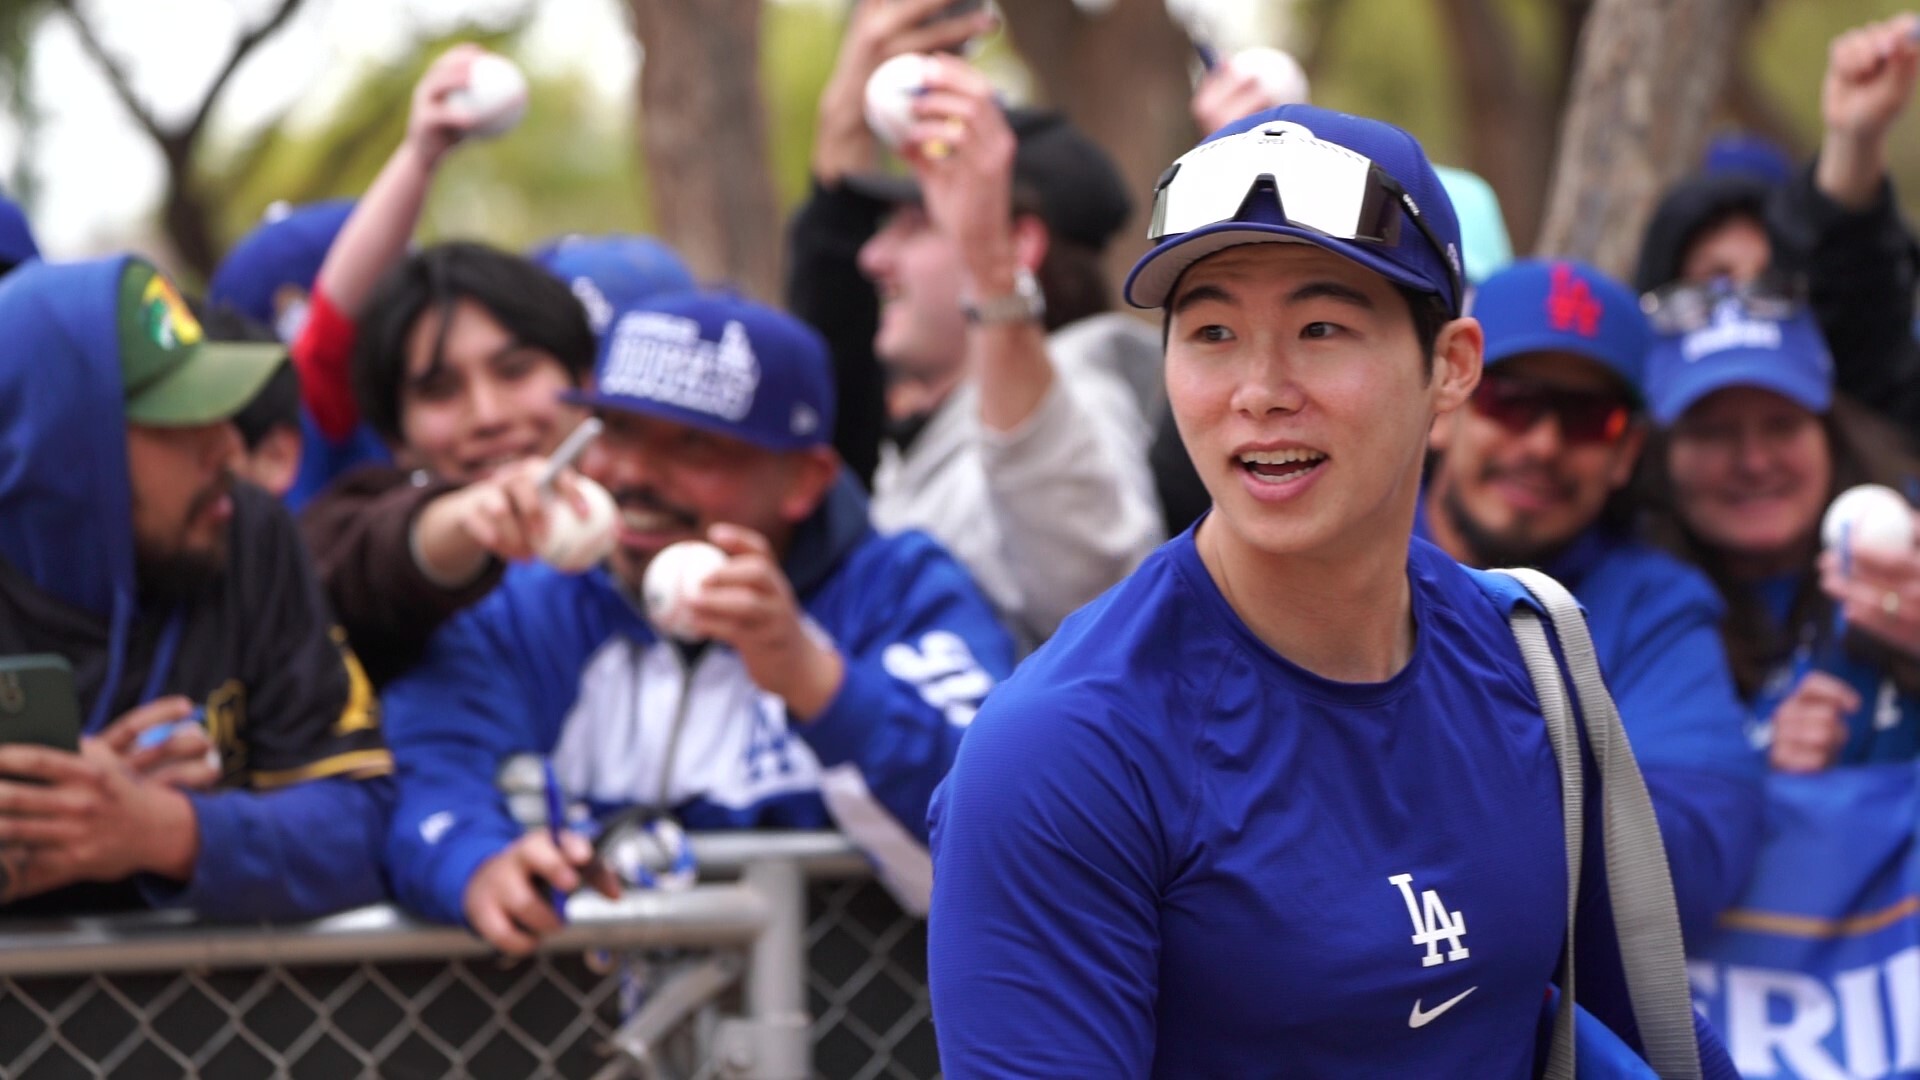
column 1421, row 1019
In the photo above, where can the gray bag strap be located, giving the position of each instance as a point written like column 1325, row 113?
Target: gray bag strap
column 1639, row 885
column 1564, row 736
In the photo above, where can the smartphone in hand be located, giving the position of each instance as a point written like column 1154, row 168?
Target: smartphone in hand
column 38, row 702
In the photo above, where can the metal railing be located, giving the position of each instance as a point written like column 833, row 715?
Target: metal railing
column 785, row 961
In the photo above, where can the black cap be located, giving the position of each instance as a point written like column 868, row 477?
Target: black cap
column 1685, row 211
column 1058, row 173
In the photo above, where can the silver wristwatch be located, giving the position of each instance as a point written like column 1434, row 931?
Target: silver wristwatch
column 1024, row 304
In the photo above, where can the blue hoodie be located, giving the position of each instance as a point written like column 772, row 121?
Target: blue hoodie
column 294, row 830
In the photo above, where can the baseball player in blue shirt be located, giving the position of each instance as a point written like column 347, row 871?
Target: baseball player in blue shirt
column 1282, row 802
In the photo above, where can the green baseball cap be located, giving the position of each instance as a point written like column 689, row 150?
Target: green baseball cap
column 171, row 375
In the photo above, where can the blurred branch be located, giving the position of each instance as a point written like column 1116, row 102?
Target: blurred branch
column 185, row 213
column 116, row 75
column 1510, row 140
column 241, row 50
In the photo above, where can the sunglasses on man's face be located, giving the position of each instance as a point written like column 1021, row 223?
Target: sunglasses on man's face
column 1585, row 416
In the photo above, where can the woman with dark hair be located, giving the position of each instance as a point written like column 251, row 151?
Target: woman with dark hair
column 1753, row 446
column 462, row 355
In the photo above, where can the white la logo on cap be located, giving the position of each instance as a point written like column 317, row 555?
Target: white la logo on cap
column 1731, row 329
column 663, row 358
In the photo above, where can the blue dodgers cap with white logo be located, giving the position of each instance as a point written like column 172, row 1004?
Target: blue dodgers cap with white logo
column 1429, row 265
column 1538, row 306
column 608, row 273
column 718, row 362
column 1787, row 356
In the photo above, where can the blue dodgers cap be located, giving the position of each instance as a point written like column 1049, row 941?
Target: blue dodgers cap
column 1538, row 306
column 719, row 362
column 16, row 237
column 1412, row 260
column 610, row 273
column 1786, row 356
column 286, row 248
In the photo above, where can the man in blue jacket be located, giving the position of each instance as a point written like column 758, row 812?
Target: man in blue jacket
column 173, row 592
column 1532, row 473
column 837, row 671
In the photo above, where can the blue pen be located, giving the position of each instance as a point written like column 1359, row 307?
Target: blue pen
column 556, row 814
column 156, row 736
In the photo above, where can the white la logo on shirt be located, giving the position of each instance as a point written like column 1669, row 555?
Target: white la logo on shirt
column 1432, row 922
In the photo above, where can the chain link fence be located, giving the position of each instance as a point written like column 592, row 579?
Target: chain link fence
column 374, row 995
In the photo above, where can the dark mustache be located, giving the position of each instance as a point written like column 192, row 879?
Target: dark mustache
column 1536, row 473
column 645, row 498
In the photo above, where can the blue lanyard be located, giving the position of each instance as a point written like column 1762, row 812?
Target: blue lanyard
column 163, row 654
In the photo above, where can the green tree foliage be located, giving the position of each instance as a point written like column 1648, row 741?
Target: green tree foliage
column 569, row 166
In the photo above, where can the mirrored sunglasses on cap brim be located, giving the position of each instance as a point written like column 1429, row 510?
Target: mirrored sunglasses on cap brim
column 1317, row 185
column 1686, row 306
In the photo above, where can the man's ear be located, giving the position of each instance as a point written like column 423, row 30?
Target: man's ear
column 1457, row 355
column 815, row 470
column 1030, row 241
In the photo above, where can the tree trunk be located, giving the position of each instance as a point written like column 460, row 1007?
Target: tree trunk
column 1511, row 132
column 704, row 137
column 184, row 212
column 1122, row 76
column 1649, row 77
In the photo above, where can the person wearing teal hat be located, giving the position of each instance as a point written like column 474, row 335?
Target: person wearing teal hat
column 1483, row 225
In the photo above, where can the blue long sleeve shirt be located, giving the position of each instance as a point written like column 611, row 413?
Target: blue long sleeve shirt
column 1164, row 850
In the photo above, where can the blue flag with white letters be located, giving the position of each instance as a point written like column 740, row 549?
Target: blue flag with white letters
column 1815, row 972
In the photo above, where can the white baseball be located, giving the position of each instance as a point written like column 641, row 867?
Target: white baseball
column 1872, row 517
column 890, row 93
column 495, row 95
column 674, row 575
column 576, row 543
column 1280, row 76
